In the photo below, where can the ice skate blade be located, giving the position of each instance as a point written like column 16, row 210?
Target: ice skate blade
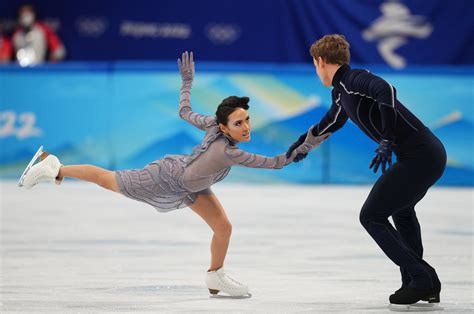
column 36, row 156
column 220, row 296
column 416, row 307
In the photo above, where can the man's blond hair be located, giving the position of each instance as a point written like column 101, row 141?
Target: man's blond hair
column 332, row 49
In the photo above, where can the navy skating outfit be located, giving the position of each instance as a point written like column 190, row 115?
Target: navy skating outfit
column 371, row 103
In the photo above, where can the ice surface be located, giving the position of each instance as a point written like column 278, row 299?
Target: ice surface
column 78, row 248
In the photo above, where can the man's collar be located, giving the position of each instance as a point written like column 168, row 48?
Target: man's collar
column 339, row 73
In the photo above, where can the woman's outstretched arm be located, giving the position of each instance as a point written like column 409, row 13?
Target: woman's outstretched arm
column 246, row 159
column 186, row 69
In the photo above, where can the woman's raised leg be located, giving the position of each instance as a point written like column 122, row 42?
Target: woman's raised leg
column 103, row 177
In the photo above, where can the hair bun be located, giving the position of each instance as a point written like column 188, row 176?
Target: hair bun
column 244, row 100
column 236, row 101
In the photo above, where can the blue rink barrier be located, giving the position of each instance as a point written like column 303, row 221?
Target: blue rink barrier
column 122, row 115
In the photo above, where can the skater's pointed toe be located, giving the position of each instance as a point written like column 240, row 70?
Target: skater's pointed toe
column 46, row 170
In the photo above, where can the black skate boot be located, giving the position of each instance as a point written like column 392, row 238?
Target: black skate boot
column 409, row 295
column 407, row 279
column 406, row 298
column 403, row 287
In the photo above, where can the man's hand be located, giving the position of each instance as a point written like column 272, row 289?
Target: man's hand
column 186, row 68
column 295, row 145
column 383, row 156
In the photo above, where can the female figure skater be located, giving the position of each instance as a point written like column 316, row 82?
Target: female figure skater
column 177, row 181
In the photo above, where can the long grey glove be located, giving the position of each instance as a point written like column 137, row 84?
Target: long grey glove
column 300, row 149
column 311, row 142
column 186, row 69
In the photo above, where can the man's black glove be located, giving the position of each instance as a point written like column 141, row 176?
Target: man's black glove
column 383, row 156
column 295, row 145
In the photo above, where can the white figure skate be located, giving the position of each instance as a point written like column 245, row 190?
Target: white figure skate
column 415, row 307
column 44, row 171
column 217, row 281
column 32, row 161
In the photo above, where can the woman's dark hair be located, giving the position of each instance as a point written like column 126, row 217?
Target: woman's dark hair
column 228, row 105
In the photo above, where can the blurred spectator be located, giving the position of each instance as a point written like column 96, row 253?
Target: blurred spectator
column 34, row 41
column 5, row 47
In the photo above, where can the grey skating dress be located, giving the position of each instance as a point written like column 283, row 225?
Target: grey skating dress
column 175, row 181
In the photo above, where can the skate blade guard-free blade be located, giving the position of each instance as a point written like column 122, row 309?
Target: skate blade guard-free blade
column 214, row 294
column 416, row 307
column 35, row 157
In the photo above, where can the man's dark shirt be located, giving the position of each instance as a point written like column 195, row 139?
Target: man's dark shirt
column 371, row 103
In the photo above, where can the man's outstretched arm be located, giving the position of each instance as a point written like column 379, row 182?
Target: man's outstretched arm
column 332, row 121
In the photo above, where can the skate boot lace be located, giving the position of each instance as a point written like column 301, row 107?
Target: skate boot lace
column 41, row 176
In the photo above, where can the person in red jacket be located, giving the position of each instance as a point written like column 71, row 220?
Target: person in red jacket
column 33, row 41
column 5, row 47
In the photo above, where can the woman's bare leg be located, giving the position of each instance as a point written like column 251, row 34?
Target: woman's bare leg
column 210, row 209
column 103, row 177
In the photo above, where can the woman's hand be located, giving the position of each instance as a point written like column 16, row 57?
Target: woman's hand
column 186, row 68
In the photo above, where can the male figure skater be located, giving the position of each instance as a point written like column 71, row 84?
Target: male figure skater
column 371, row 103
